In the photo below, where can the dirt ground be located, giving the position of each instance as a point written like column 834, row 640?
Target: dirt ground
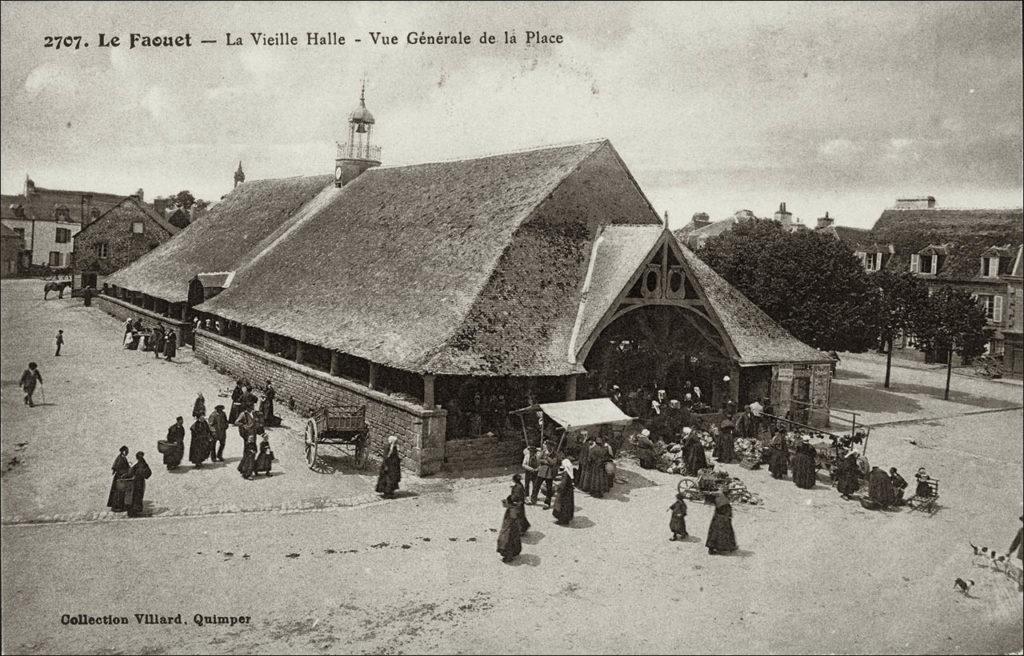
column 320, row 566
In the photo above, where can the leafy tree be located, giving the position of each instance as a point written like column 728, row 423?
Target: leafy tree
column 185, row 199
column 807, row 281
column 901, row 308
column 952, row 322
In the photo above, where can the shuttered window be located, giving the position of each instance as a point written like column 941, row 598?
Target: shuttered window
column 915, row 263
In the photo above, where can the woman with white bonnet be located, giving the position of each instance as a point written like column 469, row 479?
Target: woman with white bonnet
column 564, row 505
column 390, row 470
column 645, row 449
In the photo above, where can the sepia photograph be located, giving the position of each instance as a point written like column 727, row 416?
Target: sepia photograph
column 511, row 328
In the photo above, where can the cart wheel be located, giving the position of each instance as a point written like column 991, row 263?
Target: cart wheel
column 687, row 486
column 311, row 440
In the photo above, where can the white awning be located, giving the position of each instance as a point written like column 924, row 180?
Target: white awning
column 589, row 412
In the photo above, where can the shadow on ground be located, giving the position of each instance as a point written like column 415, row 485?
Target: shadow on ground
column 868, row 399
column 937, row 392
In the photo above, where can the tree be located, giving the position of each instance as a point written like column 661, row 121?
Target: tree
column 901, row 306
column 807, row 281
column 952, row 322
column 184, row 198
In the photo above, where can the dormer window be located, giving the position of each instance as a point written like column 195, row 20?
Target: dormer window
column 872, row 261
column 61, row 213
column 990, row 267
column 928, row 261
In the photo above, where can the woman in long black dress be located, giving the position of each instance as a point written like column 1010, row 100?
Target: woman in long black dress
column 120, row 469
column 848, row 475
column 514, row 523
column 176, row 436
column 564, row 505
column 778, row 462
column 265, row 459
column 390, row 470
column 199, row 407
column 595, row 480
column 202, row 439
column 721, row 537
column 693, row 453
column 645, row 450
column 678, row 522
column 171, row 346
column 140, row 471
column 726, row 442
column 247, row 465
column 803, row 465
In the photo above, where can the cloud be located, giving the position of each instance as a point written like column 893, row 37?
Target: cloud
column 156, row 101
column 51, row 77
column 839, row 149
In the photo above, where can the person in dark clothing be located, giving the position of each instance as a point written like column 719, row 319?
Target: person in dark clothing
column 565, row 497
column 1017, row 544
column 726, row 442
column 137, row 325
column 159, row 341
column 547, row 470
column 581, row 466
column 778, row 461
column 139, row 472
column 248, row 400
column 202, row 438
column 269, row 394
column 219, row 427
column 848, row 475
column 721, row 537
column 60, row 342
column 899, row 485
column 880, row 488
column 120, row 469
column 678, row 522
column 29, row 378
column 247, row 465
column 87, row 294
column 514, row 524
column 923, row 489
column 236, row 403
column 176, row 436
column 390, row 470
column 595, row 478
column 265, row 458
column 199, row 407
column 693, row 453
column 171, row 346
column 531, row 461
column 803, row 465
column 645, row 450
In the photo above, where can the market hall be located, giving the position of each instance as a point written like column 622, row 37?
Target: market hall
column 443, row 296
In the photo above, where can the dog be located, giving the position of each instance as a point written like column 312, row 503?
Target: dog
column 964, row 587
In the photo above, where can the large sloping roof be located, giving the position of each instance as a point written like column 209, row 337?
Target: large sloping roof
column 146, row 209
column 969, row 233
column 222, row 241
column 470, row 266
column 757, row 337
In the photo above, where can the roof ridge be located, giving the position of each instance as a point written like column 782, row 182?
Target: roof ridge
column 521, row 151
column 955, row 209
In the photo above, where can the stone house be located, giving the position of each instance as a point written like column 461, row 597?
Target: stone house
column 11, row 246
column 115, row 239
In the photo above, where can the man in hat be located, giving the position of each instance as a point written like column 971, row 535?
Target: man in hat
column 531, row 462
column 29, row 378
column 645, row 450
column 176, row 436
column 899, row 485
column 60, row 342
column 616, row 397
column 547, row 470
column 139, row 472
column 219, row 425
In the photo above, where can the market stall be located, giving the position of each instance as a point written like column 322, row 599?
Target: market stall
column 565, row 419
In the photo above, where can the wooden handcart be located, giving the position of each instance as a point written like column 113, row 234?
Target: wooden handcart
column 705, row 486
column 342, row 427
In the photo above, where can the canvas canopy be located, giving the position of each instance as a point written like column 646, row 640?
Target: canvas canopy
column 578, row 414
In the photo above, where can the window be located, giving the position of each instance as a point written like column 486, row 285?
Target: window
column 21, row 233
column 63, row 235
column 62, row 213
column 993, row 306
column 54, row 259
column 872, row 261
column 138, row 227
column 103, row 250
column 990, row 267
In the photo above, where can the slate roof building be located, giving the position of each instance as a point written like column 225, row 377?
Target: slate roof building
column 442, row 295
column 11, row 245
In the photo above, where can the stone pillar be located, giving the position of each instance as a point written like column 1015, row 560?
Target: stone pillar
column 243, row 333
column 372, row 382
column 223, row 327
column 734, row 384
column 266, row 347
column 335, row 366
column 570, row 388
column 184, row 312
column 298, row 352
column 428, row 391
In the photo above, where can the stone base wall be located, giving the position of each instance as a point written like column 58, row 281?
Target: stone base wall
column 420, row 431
column 481, row 453
column 119, row 309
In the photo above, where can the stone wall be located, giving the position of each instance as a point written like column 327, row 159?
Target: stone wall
column 114, row 228
column 420, row 431
column 119, row 309
column 482, row 452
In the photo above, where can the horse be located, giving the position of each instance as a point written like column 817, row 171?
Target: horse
column 58, row 287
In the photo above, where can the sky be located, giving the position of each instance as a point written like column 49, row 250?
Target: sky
column 713, row 107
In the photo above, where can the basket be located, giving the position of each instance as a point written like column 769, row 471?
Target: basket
column 609, row 468
column 164, row 446
column 123, row 484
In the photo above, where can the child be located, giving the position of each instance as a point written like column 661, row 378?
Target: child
column 678, row 522
column 60, row 342
column 265, row 458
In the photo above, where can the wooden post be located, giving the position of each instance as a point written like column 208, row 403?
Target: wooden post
column 266, row 347
column 298, row 352
column 184, row 311
column 243, row 332
column 570, row 388
column 372, row 382
column 223, row 327
column 428, row 391
column 335, row 366
column 734, row 384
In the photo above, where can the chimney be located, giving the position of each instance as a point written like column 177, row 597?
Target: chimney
column 826, row 221
column 160, row 205
column 700, row 219
column 782, row 216
column 917, row 203
column 140, row 196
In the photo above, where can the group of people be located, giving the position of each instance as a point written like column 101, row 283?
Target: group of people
column 721, row 537
column 559, row 498
column 691, row 449
column 158, row 340
column 128, row 487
